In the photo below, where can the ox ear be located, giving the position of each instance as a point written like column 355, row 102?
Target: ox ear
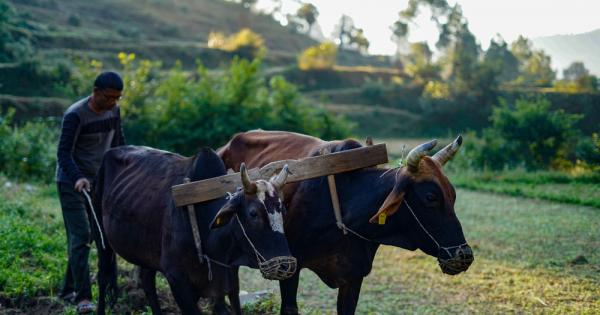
column 223, row 216
column 393, row 200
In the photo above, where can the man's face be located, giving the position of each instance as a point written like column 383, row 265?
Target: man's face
column 106, row 99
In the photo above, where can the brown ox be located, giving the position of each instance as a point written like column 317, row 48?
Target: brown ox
column 414, row 205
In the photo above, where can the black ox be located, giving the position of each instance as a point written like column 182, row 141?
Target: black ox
column 140, row 222
column 409, row 207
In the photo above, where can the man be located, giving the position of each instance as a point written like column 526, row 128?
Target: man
column 90, row 127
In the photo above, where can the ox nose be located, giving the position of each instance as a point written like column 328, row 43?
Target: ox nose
column 462, row 258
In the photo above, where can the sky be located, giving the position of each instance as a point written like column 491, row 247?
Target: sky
column 509, row 18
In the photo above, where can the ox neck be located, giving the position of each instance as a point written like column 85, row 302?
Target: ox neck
column 360, row 194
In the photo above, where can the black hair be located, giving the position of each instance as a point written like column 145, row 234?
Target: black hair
column 109, row 80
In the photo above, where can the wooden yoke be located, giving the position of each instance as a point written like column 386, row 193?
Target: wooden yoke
column 306, row 168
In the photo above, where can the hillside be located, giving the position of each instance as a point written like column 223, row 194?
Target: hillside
column 565, row 49
column 156, row 29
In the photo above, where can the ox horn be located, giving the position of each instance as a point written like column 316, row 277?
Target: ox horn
column 249, row 186
column 415, row 155
column 279, row 181
column 447, row 153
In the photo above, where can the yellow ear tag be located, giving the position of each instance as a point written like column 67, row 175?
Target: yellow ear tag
column 382, row 217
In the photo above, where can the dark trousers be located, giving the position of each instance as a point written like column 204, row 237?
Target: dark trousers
column 75, row 210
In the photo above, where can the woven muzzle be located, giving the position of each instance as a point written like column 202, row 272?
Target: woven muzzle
column 278, row 268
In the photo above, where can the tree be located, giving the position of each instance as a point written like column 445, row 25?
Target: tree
column 521, row 48
column 419, row 63
column 308, row 13
column 343, row 31
column 528, row 133
column 14, row 41
column 318, row 57
column 577, row 79
column 400, row 29
column 359, row 41
column 502, row 60
column 535, row 66
column 575, row 71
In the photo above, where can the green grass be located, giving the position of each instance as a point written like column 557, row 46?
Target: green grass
column 525, row 254
column 525, row 262
column 582, row 189
column 32, row 251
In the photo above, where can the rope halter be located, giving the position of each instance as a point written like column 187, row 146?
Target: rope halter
column 276, row 268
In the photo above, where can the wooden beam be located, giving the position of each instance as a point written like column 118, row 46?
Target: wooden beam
column 306, row 168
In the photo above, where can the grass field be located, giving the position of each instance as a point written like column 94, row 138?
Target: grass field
column 531, row 256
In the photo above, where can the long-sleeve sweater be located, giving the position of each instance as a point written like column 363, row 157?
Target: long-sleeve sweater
column 85, row 137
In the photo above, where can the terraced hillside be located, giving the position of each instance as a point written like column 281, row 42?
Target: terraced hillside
column 155, row 29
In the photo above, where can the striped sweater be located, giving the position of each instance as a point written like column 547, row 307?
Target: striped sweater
column 85, row 137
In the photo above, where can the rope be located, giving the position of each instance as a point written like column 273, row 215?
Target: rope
column 447, row 249
column 355, row 233
column 258, row 255
column 95, row 218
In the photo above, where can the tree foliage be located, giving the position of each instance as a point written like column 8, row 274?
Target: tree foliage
column 535, row 66
column 245, row 43
column 14, row 41
column 527, row 134
column 309, row 13
column 502, row 60
column 576, row 79
column 318, row 57
column 29, row 150
column 179, row 111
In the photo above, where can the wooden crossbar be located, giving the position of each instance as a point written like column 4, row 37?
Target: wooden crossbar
column 306, row 168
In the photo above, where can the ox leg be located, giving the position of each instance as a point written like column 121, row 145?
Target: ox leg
column 220, row 307
column 107, row 277
column 184, row 293
column 289, row 290
column 348, row 296
column 234, row 295
column 148, row 280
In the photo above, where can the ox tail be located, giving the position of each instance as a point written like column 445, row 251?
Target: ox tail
column 107, row 260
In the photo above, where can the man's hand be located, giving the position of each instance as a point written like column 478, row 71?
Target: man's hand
column 82, row 183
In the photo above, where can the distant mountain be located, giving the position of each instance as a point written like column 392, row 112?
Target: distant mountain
column 564, row 49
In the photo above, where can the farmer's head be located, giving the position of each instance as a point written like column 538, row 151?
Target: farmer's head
column 108, row 87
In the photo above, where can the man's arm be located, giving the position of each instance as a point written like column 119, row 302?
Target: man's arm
column 68, row 134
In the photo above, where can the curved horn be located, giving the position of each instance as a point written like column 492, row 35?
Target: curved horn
column 249, row 186
column 447, row 153
column 415, row 155
column 279, row 181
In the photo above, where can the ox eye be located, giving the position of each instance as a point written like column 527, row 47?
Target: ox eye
column 431, row 197
column 253, row 213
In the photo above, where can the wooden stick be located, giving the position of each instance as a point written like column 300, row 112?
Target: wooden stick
column 195, row 230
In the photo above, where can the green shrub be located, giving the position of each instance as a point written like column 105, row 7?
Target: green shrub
column 588, row 150
column 528, row 134
column 181, row 111
column 318, row 57
column 28, row 151
column 245, row 43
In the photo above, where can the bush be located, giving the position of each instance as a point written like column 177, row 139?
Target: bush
column 318, row 57
column 28, row 151
column 179, row 111
column 588, row 150
column 528, row 134
column 245, row 43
